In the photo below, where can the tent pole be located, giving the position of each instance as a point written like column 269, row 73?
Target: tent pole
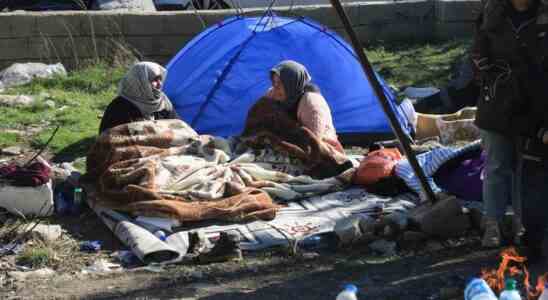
column 396, row 128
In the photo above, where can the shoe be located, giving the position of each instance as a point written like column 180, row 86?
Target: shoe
column 492, row 236
column 226, row 249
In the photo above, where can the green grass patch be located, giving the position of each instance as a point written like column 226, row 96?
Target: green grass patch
column 81, row 97
column 37, row 257
column 418, row 64
column 8, row 139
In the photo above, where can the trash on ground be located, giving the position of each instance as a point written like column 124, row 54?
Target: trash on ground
column 40, row 273
column 90, row 246
column 101, row 266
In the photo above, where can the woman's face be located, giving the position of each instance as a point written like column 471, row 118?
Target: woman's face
column 156, row 82
column 278, row 90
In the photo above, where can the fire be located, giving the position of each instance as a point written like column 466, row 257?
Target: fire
column 513, row 264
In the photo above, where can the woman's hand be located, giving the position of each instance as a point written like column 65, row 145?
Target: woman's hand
column 545, row 137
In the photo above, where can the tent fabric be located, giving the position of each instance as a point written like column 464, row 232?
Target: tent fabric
column 216, row 78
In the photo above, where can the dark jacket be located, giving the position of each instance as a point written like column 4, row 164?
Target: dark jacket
column 513, row 64
column 121, row 111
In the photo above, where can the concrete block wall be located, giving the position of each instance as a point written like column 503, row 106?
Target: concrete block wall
column 71, row 37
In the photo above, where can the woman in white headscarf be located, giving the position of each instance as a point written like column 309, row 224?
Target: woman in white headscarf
column 140, row 97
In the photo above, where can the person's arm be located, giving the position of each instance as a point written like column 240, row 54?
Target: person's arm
column 172, row 114
column 478, row 52
column 314, row 114
column 118, row 112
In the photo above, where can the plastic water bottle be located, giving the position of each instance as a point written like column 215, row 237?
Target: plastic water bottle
column 160, row 234
column 544, row 295
column 477, row 289
column 348, row 293
column 510, row 292
column 77, row 201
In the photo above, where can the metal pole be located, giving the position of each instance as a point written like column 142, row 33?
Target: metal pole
column 377, row 88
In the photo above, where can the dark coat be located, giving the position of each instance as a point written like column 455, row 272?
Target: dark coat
column 513, row 64
column 121, row 111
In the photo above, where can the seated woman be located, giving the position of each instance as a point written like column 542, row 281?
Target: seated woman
column 139, row 97
column 294, row 118
column 292, row 87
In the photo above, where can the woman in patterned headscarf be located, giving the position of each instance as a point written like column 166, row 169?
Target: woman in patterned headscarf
column 293, row 89
column 139, row 97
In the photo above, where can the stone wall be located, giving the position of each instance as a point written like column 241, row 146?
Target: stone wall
column 72, row 37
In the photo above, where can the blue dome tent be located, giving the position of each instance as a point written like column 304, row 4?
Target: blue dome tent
column 215, row 79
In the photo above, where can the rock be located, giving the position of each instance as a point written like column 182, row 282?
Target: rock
column 47, row 232
column 125, row 5
column 438, row 219
column 348, row 229
column 101, row 266
column 13, row 150
column 23, row 73
column 16, row 100
column 196, row 274
column 1, row 87
column 49, row 103
column 399, row 219
column 40, row 273
column 310, row 255
column 433, row 246
column 384, row 247
column 44, row 95
column 414, row 236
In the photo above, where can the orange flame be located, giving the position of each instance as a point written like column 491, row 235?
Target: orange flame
column 495, row 278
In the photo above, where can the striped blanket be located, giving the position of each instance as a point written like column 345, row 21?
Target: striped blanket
column 430, row 162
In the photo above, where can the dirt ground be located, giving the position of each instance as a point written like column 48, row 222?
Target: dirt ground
column 428, row 270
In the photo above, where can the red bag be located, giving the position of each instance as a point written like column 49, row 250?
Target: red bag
column 377, row 165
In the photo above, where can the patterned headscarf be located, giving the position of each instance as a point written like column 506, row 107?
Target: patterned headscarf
column 137, row 88
column 295, row 79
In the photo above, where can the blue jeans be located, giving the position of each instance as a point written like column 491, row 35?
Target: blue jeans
column 533, row 188
column 499, row 183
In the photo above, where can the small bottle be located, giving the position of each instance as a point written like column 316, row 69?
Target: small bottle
column 349, row 292
column 478, row 289
column 160, row 234
column 322, row 241
column 77, row 201
column 510, row 292
column 544, row 295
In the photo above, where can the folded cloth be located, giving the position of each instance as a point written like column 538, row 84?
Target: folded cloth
column 35, row 174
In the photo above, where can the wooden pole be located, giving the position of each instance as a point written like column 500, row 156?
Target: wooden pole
column 377, row 88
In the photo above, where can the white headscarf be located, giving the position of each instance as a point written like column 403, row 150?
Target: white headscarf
column 137, row 88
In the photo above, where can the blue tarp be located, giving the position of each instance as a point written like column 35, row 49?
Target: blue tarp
column 215, row 79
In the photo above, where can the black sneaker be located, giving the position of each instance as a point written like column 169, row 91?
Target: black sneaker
column 226, row 249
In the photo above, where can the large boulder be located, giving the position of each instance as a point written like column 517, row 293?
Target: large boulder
column 126, row 5
column 19, row 73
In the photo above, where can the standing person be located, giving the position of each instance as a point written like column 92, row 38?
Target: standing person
column 140, row 97
column 508, row 50
column 533, row 187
